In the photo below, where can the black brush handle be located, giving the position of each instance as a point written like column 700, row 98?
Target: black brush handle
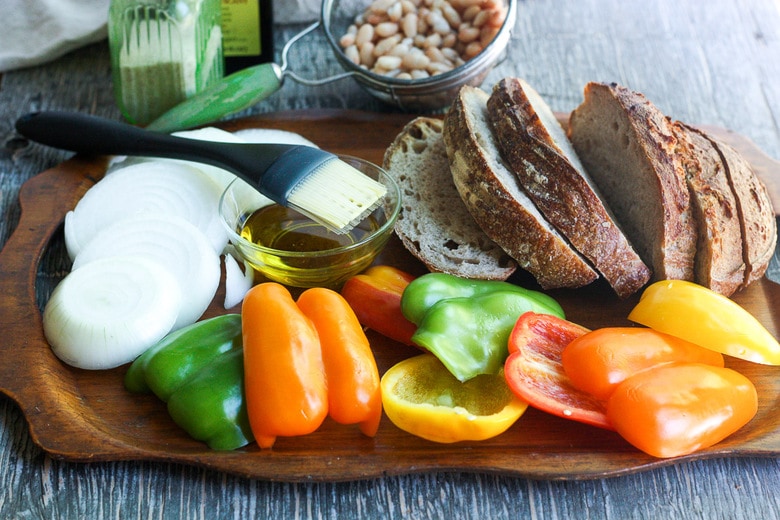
column 82, row 133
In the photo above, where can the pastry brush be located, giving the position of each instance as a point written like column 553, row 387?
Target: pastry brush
column 310, row 180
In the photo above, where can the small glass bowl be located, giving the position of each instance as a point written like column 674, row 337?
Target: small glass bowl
column 320, row 268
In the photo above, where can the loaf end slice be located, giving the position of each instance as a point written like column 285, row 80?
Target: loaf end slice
column 493, row 195
column 536, row 148
column 756, row 214
column 719, row 262
column 629, row 148
column 434, row 224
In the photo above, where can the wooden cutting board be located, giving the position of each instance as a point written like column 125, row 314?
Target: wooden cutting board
column 88, row 416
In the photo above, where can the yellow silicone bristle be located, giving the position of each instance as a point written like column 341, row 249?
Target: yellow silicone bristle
column 337, row 195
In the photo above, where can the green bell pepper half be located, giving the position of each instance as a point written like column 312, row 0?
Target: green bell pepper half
column 470, row 334
column 211, row 406
column 198, row 371
column 426, row 290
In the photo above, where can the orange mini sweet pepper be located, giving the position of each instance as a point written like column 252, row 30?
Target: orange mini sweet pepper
column 375, row 296
column 354, row 395
column 284, row 374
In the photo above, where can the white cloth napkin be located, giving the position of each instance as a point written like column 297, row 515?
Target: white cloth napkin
column 37, row 31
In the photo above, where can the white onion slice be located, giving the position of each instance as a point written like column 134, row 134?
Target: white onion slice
column 175, row 245
column 71, row 244
column 218, row 175
column 148, row 188
column 237, row 281
column 272, row 135
column 109, row 312
column 210, row 133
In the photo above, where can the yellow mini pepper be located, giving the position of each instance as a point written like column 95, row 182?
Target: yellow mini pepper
column 706, row 318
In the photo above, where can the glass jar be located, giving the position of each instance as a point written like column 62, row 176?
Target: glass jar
column 162, row 51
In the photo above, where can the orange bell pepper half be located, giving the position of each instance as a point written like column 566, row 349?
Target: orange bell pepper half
column 284, row 374
column 600, row 360
column 354, row 395
column 679, row 408
column 375, row 297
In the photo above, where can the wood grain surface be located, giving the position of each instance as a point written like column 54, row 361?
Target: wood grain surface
column 713, row 64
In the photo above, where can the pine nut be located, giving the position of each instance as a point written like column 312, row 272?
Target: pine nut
column 488, row 34
column 365, row 34
column 451, row 15
column 386, row 45
column 468, row 34
column 367, row 57
column 438, row 23
column 385, row 29
column 388, row 62
column 481, row 18
column 449, row 41
column 471, row 12
column 434, row 40
column 347, row 40
column 380, row 5
column 409, row 25
column 472, row 49
column 399, row 50
column 352, row 54
column 415, row 60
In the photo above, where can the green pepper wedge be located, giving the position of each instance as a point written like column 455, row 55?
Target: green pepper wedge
column 173, row 360
column 470, row 334
column 211, row 406
column 423, row 292
column 198, row 371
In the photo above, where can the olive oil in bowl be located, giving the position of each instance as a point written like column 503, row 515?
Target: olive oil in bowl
column 294, row 250
column 279, row 227
column 284, row 246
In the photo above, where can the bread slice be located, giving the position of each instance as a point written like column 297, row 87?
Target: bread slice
column 755, row 212
column 535, row 146
column 719, row 262
column 630, row 150
column 434, row 224
column 492, row 193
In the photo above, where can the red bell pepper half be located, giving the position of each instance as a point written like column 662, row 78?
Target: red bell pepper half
column 535, row 373
column 375, row 297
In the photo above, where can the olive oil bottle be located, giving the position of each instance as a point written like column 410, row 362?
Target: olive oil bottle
column 247, row 33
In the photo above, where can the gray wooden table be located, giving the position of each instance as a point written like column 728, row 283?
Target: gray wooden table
column 715, row 63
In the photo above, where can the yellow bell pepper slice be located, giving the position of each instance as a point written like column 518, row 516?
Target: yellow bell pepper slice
column 709, row 319
column 422, row 397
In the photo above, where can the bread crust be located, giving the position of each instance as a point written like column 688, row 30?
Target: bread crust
column 434, row 224
column 555, row 180
column 650, row 184
column 494, row 197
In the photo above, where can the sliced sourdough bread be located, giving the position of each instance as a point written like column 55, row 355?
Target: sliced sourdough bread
column 755, row 212
column 434, row 224
column 719, row 262
column 493, row 195
column 535, row 146
column 630, row 150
